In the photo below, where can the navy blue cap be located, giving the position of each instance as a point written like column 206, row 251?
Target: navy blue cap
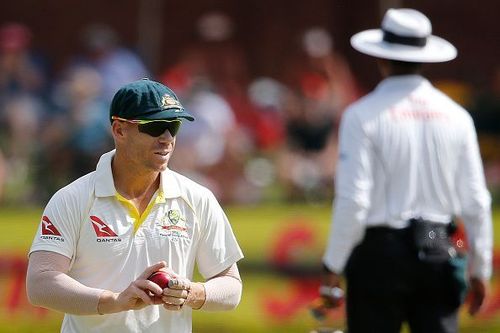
column 147, row 100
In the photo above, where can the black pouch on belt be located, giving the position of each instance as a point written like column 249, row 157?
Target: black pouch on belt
column 431, row 240
column 434, row 246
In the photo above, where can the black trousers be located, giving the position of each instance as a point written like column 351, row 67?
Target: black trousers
column 387, row 285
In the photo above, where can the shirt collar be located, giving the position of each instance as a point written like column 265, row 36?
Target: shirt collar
column 401, row 82
column 105, row 186
column 169, row 184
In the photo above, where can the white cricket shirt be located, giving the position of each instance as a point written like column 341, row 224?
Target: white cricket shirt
column 110, row 244
column 407, row 150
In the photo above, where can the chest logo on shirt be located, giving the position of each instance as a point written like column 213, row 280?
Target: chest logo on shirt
column 174, row 216
column 103, row 232
column 173, row 224
column 49, row 230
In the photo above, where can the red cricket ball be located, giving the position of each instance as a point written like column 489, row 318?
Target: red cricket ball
column 161, row 278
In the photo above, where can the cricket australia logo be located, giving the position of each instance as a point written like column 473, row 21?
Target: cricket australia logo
column 170, row 102
column 174, row 216
column 174, row 225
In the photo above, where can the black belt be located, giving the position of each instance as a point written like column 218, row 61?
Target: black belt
column 382, row 230
column 441, row 229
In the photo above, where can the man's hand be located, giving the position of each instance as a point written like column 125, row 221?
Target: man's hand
column 182, row 291
column 478, row 290
column 139, row 294
column 331, row 295
column 330, row 290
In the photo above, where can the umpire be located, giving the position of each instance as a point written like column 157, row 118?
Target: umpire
column 409, row 165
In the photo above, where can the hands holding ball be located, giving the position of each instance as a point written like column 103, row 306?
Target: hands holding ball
column 156, row 285
column 177, row 291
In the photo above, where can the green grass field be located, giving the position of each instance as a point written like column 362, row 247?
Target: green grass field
column 262, row 231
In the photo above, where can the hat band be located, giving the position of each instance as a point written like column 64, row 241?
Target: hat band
column 391, row 37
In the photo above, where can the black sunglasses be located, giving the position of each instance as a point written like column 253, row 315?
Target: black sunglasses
column 157, row 128
column 154, row 128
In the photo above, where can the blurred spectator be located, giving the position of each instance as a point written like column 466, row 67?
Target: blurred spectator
column 79, row 133
column 267, row 96
column 322, row 86
column 224, row 58
column 305, row 166
column 321, row 74
column 210, row 151
column 22, row 116
column 202, row 147
column 224, row 63
column 86, row 115
column 21, row 70
column 116, row 64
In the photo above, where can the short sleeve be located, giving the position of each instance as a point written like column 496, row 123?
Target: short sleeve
column 59, row 225
column 218, row 248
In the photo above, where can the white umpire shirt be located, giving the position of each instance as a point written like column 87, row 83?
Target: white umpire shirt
column 407, row 150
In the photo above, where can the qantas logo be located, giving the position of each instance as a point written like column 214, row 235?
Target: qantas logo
column 101, row 228
column 103, row 232
column 48, row 228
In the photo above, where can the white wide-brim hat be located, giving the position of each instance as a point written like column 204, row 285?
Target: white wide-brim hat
column 406, row 36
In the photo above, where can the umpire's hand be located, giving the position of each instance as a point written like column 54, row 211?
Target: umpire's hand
column 478, row 290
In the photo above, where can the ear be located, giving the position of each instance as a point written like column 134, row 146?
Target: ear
column 117, row 129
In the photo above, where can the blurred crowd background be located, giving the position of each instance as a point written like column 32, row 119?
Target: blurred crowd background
column 267, row 81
